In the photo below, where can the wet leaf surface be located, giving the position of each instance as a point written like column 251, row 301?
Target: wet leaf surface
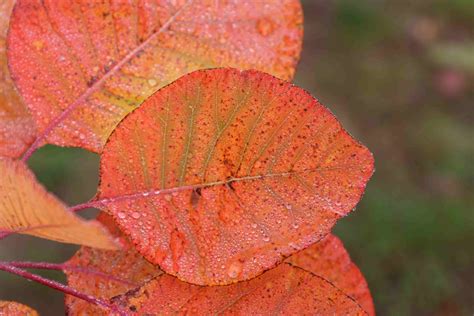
column 126, row 267
column 17, row 129
column 81, row 66
column 220, row 175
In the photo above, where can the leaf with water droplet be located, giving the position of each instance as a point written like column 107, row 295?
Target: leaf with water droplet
column 17, row 129
column 220, row 152
column 320, row 280
column 330, row 260
column 82, row 66
column 118, row 272
column 9, row 308
column 27, row 208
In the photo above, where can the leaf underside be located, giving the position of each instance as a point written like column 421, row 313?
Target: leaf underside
column 27, row 208
column 81, row 66
column 254, row 168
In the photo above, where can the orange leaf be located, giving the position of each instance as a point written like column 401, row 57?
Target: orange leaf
column 127, row 267
column 285, row 290
column 326, row 259
column 16, row 309
column 27, row 208
column 221, row 174
column 82, row 66
column 17, row 129
column 330, row 260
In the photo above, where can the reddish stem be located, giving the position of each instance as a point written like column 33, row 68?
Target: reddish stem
column 60, row 287
column 66, row 267
column 95, row 87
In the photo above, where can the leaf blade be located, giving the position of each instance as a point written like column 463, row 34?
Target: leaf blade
column 17, row 129
column 227, row 210
column 27, row 208
column 93, row 84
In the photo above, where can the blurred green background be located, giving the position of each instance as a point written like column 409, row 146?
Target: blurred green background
column 399, row 75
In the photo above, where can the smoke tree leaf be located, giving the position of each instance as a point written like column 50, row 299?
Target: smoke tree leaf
column 330, row 260
column 9, row 308
column 220, row 175
column 284, row 290
column 81, row 66
column 126, row 267
column 327, row 260
column 27, row 208
column 17, row 129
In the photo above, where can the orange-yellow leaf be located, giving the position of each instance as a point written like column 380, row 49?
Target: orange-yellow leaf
column 330, row 260
column 128, row 269
column 101, row 59
column 285, row 290
column 17, row 129
column 8, row 308
column 327, row 260
column 27, row 208
column 223, row 173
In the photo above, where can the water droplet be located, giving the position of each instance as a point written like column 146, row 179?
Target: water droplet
column 234, row 269
column 121, row 215
column 136, row 215
column 168, row 197
column 265, row 26
column 254, row 225
column 266, row 238
column 295, row 225
column 288, row 207
column 145, row 194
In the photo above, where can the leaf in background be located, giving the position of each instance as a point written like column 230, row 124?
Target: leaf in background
column 27, row 208
column 284, row 290
column 17, row 129
column 125, row 264
column 221, row 174
column 326, row 259
column 330, row 260
column 83, row 65
column 8, row 308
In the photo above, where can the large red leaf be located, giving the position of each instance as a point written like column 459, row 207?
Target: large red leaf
column 285, row 290
column 83, row 65
column 330, row 260
column 17, row 129
column 8, row 308
column 27, row 208
column 221, row 174
column 166, row 295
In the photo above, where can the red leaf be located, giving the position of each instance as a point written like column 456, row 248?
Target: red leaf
column 81, row 66
column 285, row 290
column 17, row 129
column 326, row 260
column 329, row 259
column 221, row 174
column 127, row 270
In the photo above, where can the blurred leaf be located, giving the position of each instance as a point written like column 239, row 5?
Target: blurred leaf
column 454, row 55
column 16, row 309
